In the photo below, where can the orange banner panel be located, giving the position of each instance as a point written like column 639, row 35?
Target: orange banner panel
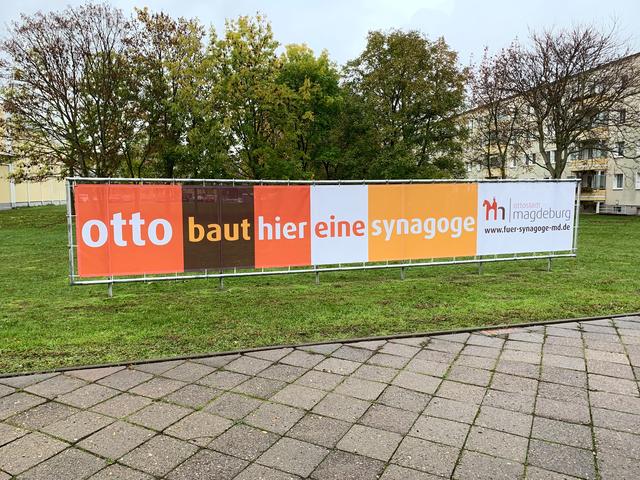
column 128, row 229
column 282, row 226
column 422, row 221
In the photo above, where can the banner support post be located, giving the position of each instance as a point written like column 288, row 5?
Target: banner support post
column 110, row 290
column 479, row 268
column 402, row 273
column 221, row 286
column 70, row 231
column 576, row 216
column 317, row 277
column 548, row 264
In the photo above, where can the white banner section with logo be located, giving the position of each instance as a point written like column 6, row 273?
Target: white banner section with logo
column 525, row 217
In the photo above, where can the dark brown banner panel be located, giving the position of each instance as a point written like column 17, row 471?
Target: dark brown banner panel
column 217, row 227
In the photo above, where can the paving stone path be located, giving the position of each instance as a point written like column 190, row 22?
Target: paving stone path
column 545, row 402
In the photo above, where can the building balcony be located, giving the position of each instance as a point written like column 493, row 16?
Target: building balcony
column 600, row 163
column 597, row 132
column 592, row 195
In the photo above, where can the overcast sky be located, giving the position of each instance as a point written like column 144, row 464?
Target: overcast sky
column 341, row 26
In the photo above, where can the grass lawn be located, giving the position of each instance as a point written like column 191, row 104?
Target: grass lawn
column 45, row 323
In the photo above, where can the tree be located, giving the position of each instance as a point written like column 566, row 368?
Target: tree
column 353, row 145
column 316, row 100
column 69, row 89
column 570, row 82
column 168, row 54
column 244, row 69
column 412, row 88
column 497, row 116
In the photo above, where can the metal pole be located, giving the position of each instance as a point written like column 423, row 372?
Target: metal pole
column 576, row 220
column 309, row 270
column 479, row 268
column 548, row 264
column 402, row 273
column 12, row 187
column 321, row 182
column 70, row 232
column 317, row 278
column 110, row 290
column 221, row 283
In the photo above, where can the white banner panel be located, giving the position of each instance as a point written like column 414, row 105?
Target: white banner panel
column 339, row 219
column 525, row 217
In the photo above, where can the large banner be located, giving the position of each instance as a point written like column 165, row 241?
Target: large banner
column 150, row 229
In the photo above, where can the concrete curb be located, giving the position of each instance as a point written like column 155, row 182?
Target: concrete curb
column 433, row 333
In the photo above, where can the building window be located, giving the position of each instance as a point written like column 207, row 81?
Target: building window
column 593, row 180
column 619, row 181
column 637, row 180
column 513, row 162
column 600, row 181
column 552, row 156
column 469, row 166
column 619, row 152
column 575, row 153
column 602, row 117
column 622, row 116
column 479, row 167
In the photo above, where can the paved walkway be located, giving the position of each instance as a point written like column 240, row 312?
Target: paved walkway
column 554, row 402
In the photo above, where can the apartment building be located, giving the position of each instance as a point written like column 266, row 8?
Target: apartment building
column 15, row 194
column 607, row 162
column 22, row 194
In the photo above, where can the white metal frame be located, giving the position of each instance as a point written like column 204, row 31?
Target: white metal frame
column 479, row 260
